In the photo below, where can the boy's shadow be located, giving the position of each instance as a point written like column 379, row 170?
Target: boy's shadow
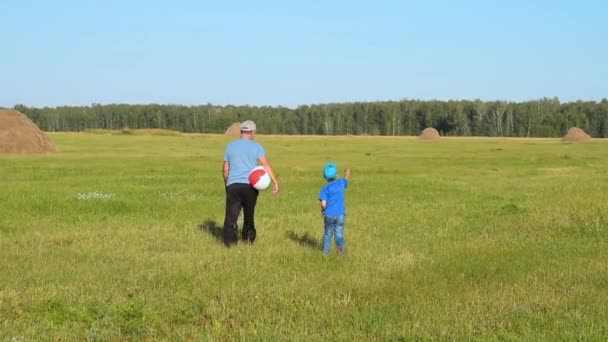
column 212, row 228
column 305, row 240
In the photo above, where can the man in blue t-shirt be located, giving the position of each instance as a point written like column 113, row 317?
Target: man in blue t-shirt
column 240, row 158
column 333, row 207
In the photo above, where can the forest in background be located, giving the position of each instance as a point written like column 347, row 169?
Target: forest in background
column 546, row 117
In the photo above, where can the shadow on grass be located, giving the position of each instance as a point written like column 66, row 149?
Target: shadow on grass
column 212, row 228
column 305, row 240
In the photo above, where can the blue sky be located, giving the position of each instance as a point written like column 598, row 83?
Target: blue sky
column 290, row 53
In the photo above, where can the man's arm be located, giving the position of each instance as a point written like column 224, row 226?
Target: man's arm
column 225, row 171
column 275, row 183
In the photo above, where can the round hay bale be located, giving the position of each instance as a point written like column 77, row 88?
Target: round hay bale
column 430, row 134
column 18, row 134
column 234, row 130
column 576, row 134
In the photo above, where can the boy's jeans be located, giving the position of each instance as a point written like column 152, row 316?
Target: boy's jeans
column 333, row 225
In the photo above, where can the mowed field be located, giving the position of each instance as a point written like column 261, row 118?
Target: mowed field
column 116, row 237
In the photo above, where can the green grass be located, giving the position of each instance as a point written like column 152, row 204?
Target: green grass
column 486, row 239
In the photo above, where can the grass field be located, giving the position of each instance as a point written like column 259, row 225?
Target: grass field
column 488, row 239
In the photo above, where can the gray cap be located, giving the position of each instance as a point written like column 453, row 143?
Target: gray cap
column 248, row 126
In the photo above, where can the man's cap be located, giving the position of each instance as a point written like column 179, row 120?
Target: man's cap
column 248, row 126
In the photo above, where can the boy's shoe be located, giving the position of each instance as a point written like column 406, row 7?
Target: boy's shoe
column 343, row 250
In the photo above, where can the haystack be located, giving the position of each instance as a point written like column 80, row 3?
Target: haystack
column 234, row 129
column 18, row 134
column 430, row 134
column 576, row 134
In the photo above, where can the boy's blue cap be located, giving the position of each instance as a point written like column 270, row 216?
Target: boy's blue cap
column 330, row 171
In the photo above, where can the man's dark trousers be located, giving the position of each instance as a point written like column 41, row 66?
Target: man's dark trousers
column 239, row 196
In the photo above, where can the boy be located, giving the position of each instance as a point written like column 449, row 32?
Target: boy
column 333, row 208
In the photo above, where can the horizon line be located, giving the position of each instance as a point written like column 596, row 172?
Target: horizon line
column 92, row 104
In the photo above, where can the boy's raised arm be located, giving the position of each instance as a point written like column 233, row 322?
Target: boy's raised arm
column 347, row 174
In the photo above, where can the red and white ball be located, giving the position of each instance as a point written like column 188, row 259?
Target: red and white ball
column 259, row 178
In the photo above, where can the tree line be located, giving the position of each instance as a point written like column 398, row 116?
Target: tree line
column 545, row 117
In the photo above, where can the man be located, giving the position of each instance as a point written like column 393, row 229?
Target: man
column 240, row 158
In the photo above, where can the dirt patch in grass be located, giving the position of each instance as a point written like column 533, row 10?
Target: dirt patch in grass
column 128, row 131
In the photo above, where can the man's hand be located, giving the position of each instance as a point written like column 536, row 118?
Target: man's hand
column 268, row 168
column 225, row 172
column 275, row 188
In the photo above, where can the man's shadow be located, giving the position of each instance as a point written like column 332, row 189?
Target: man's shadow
column 212, row 228
column 305, row 240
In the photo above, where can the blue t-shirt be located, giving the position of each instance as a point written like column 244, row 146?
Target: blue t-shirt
column 333, row 194
column 242, row 155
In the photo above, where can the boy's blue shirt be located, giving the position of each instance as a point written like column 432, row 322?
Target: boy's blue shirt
column 333, row 194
